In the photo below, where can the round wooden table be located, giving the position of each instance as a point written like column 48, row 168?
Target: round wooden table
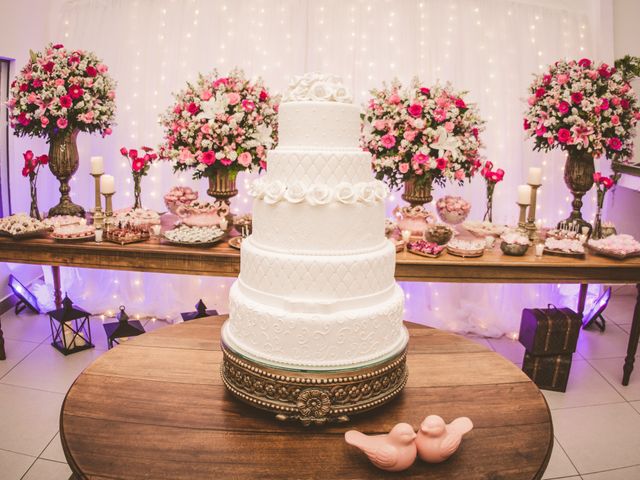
column 155, row 407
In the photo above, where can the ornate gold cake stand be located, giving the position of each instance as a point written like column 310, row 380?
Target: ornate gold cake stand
column 313, row 397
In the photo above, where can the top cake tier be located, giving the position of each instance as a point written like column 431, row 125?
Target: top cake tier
column 318, row 125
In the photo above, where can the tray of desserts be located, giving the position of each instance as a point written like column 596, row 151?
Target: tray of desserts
column 426, row 249
column 235, row 242
column 186, row 236
column 484, row 229
column 466, row 248
column 124, row 234
column 62, row 221
column 564, row 247
column 619, row 247
column 21, row 226
column 138, row 217
column 78, row 232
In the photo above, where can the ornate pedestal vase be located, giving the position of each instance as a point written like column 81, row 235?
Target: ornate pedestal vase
column 222, row 187
column 418, row 193
column 63, row 163
column 578, row 176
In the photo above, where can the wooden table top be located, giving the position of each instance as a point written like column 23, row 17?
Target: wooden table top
column 155, row 407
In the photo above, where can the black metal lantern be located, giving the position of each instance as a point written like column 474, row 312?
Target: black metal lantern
column 201, row 312
column 122, row 329
column 70, row 328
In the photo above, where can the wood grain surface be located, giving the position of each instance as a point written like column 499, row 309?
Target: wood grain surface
column 155, row 407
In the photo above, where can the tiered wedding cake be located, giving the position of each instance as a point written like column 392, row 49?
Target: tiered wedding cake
column 316, row 289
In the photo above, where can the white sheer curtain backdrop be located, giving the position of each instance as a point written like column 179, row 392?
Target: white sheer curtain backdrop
column 490, row 48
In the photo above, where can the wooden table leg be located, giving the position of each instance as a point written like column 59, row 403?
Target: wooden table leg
column 57, row 289
column 3, row 355
column 582, row 298
column 634, row 336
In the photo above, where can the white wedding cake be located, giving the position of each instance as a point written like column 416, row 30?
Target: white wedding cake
column 316, row 288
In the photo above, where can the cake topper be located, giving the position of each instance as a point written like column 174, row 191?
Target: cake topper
column 317, row 87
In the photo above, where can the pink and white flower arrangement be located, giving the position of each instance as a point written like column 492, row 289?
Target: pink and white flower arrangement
column 220, row 123
column 140, row 164
column 60, row 89
column 420, row 133
column 581, row 107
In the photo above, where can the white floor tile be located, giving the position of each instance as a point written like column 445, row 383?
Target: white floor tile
column 586, row 387
column 46, row 469
column 54, row 451
column 559, row 465
column 611, row 369
column 27, row 327
column 610, row 343
column 47, row 369
column 620, row 308
column 636, row 405
column 16, row 351
column 510, row 349
column 599, row 438
column 632, row 473
column 29, row 419
column 625, row 326
column 14, row 465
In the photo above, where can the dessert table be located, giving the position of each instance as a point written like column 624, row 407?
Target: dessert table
column 193, row 428
column 223, row 260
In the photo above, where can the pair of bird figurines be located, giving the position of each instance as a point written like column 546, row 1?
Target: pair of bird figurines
column 397, row 450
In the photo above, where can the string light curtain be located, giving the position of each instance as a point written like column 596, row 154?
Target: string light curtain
column 490, row 48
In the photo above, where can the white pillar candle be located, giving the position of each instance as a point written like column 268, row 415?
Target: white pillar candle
column 539, row 249
column 535, row 176
column 107, row 185
column 524, row 194
column 97, row 166
column 406, row 235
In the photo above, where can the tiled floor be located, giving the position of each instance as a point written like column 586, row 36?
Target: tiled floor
column 596, row 422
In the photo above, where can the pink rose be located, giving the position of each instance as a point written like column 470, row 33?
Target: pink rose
column 615, row 101
column 394, row 99
column 226, row 161
column 59, row 82
column 62, row 123
column 31, row 98
column 597, row 176
column 539, row 93
column 541, row 130
column 248, row 105
column 576, row 97
column 403, row 168
column 584, row 62
column 624, row 103
column 607, row 183
column 388, row 141
column 604, row 104
column 459, row 175
column 441, row 163
column 233, row 98
column 564, row 135
column 44, row 121
column 208, row 158
column 206, row 129
column 409, row 135
column 563, row 107
column 102, row 68
column 206, row 95
column 562, row 78
column 532, row 100
column 379, row 124
column 107, row 131
column 615, row 120
column 420, row 158
column 525, row 124
column 614, row 143
column 185, row 156
column 448, row 126
column 91, row 71
column 111, row 94
column 193, row 108
column 460, row 103
column 244, row 159
column 124, row 152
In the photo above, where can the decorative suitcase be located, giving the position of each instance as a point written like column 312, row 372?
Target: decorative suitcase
column 549, row 372
column 549, row 331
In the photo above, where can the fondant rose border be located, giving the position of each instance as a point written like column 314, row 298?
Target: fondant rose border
column 319, row 194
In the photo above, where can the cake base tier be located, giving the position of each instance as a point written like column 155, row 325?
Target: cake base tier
column 313, row 397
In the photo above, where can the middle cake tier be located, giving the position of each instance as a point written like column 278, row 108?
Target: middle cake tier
column 316, row 281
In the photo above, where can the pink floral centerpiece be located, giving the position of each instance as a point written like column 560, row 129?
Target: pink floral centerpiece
column 419, row 135
column 453, row 210
column 57, row 94
column 587, row 110
column 218, row 127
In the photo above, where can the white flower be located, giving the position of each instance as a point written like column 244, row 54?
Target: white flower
column 345, row 193
column 319, row 194
column 212, row 107
column 446, row 142
column 295, row 193
column 262, row 135
column 274, row 192
column 366, row 192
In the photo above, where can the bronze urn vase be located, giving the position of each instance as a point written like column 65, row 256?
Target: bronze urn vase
column 418, row 193
column 578, row 176
column 63, row 163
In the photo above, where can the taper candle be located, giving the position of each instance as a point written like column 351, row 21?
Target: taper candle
column 107, row 184
column 535, row 176
column 524, row 194
column 97, row 166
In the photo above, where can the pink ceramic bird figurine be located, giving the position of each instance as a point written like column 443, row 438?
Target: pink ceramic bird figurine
column 437, row 441
column 393, row 451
